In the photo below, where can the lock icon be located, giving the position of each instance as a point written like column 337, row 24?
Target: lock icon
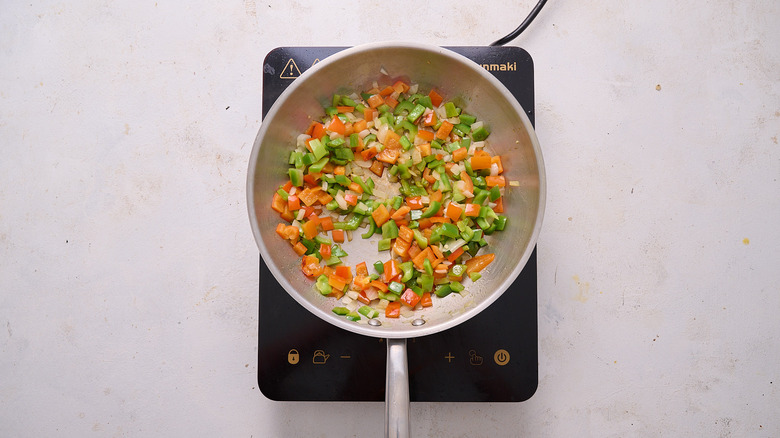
column 293, row 357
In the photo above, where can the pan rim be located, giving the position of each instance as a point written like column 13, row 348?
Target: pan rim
column 397, row 331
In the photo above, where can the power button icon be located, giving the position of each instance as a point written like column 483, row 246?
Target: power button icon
column 501, row 357
column 293, row 357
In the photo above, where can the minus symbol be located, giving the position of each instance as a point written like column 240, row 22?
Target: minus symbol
column 346, row 356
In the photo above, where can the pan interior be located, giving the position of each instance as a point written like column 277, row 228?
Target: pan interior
column 454, row 77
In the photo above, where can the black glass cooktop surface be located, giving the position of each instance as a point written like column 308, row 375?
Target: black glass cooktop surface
column 492, row 357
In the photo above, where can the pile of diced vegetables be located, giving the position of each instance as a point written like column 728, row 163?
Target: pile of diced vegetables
column 447, row 194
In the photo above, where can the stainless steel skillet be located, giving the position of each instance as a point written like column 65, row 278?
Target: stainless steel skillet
column 512, row 137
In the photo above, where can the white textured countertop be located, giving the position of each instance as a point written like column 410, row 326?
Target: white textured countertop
column 128, row 271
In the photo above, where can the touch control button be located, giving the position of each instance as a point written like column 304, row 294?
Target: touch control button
column 293, row 356
column 501, row 357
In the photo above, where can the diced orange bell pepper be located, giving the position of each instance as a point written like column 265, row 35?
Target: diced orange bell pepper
column 400, row 87
column 405, row 233
column 363, row 298
column 424, row 148
column 392, row 271
column 379, row 285
column 460, row 154
column 430, row 119
column 400, row 213
column 472, row 210
column 377, row 168
column 345, row 109
column 369, row 153
column 299, row 249
column 401, row 247
column 326, row 223
column 499, row 208
column 418, row 260
column 425, row 135
column 388, row 155
column 350, row 198
column 375, row 100
column 380, row 215
column 310, row 229
column 469, row 184
column 479, row 162
column 426, row 300
column 455, row 254
column 338, row 236
column 391, row 102
column 337, row 126
column 310, row 265
column 436, row 98
column 337, row 282
column 325, row 251
column 278, row 204
column 497, row 161
column 344, row 272
column 453, row 212
column 495, row 180
column 479, row 263
column 359, row 125
column 414, row 202
column 393, row 309
column 409, row 298
column 293, row 203
column 444, row 130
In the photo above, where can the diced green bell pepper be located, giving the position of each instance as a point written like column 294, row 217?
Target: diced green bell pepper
column 443, row 290
column 451, row 109
column 384, row 244
column 322, row 285
column 368, row 312
column 480, row 134
column 432, row 209
column 296, row 177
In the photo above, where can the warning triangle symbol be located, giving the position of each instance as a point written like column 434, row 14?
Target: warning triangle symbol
column 290, row 70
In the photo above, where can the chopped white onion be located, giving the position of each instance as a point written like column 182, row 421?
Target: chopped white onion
column 362, row 163
column 340, row 200
column 382, row 134
column 494, row 169
column 301, row 140
column 406, row 312
column 514, row 183
column 452, row 246
column 416, row 156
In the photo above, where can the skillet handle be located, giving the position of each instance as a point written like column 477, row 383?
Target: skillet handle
column 397, row 390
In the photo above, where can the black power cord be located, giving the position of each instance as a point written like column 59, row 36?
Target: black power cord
column 523, row 25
